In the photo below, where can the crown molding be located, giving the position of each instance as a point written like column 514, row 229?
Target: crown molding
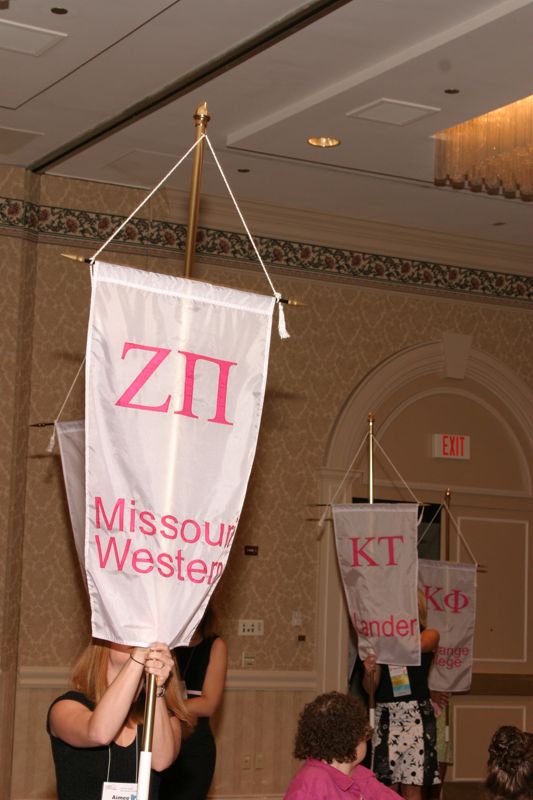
column 308, row 226
column 74, row 227
column 352, row 233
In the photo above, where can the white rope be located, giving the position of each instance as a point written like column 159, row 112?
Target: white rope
column 52, row 442
column 430, row 523
column 402, row 480
column 281, row 323
column 154, row 190
column 328, row 505
column 282, row 328
column 462, row 538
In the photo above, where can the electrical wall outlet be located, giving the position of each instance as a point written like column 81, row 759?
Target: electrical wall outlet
column 247, row 660
column 251, row 627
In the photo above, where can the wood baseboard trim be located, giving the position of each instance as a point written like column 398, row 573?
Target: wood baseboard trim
column 238, row 680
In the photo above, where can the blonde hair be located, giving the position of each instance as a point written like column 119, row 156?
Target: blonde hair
column 89, row 677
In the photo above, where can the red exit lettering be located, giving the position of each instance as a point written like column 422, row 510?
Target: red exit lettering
column 450, row 445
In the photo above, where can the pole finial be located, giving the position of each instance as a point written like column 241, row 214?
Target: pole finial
column 371, row 457
column 202, row 116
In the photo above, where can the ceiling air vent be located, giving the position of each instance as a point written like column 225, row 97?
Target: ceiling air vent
column 27, row 39
column 392, row 112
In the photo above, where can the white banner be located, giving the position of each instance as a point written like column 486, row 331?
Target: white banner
column 376, row 548
column 175, row 380
column 71, row 440
column 450, row 592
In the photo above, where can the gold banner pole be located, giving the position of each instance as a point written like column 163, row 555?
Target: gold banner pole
column 446, row 526
column 372, row 692
column 201, row 118
column 446, row 536
column 370, row 458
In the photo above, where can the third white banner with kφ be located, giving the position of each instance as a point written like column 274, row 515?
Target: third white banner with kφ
column 376, row 548
column 450, row 592
column 175, row 380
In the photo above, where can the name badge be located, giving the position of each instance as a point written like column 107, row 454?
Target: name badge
column 400, row 681
column 119, row 791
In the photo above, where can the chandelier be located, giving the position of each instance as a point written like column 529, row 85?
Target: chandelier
column 492, row 153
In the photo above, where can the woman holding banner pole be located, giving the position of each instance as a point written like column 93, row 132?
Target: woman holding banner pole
column 94, row 728
column 404, row 739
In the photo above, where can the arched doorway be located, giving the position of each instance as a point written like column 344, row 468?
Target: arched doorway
column 449, row 387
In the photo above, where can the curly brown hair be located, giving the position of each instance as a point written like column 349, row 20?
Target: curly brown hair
column 510, row 767
column 331, row 727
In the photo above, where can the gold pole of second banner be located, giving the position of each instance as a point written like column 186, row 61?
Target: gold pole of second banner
column 446, row 526
column 371, row 458
column 201, row 118
column 372, row 692
column 446, row 535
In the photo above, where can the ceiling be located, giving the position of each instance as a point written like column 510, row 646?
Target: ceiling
column 106, row 92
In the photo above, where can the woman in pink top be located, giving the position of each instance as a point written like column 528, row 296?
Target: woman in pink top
column 332, row 735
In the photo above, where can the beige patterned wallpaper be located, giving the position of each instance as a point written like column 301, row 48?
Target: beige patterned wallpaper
column 10, row 250
column 343, row 331
column 340, row 335
column 16, row 320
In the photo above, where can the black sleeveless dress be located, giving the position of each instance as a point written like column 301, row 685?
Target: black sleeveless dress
column 81, row 771
column 191, row 774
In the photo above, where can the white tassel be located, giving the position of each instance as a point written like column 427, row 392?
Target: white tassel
column 282, row 327
column 52, row 442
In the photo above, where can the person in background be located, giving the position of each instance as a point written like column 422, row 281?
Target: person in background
column 404, row 739
column 332, row 735
column 510, row 765
column 203, row 666
column 95, row 728
column 440, row 701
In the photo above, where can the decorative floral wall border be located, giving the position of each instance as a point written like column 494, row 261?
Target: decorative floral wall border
column 88, row 226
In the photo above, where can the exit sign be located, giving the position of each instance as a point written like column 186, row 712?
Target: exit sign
column 450, row 445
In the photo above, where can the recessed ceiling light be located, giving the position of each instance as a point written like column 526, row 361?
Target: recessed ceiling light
column 323, row 141
column 452, row 91
column 59, row 10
